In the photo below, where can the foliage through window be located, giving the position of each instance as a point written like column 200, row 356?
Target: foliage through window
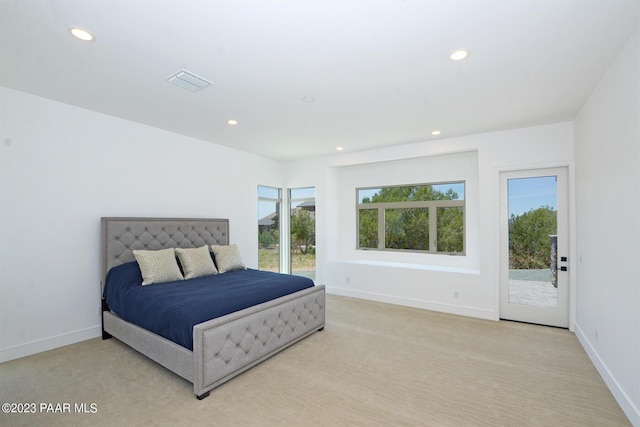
column 269, row 201
column 422, row 217
column 529, row 238
column 302, row 225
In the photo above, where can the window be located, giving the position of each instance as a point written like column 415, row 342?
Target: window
column 423, row 217
column 302, row 225
column 269, row 201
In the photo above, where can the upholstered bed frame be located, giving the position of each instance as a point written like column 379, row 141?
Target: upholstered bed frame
column 223, row 347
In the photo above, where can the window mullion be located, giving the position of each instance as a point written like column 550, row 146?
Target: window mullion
column 433, row 229
column 381, row 229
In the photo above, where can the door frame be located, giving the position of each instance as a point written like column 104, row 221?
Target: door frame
column 571, row 213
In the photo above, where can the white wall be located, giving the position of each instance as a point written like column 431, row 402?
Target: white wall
column 607, row 159
column 61, row 169
column 426, row 281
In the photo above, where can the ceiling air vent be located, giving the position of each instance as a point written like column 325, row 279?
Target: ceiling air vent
column 189, row 81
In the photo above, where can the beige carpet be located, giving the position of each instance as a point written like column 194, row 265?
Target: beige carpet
column 374, row 365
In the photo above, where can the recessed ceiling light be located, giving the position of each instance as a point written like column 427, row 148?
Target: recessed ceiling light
column 436, row 132
column 232, row 122
column 339, row 148
column 458, row 55
column 308, row 98
column 81, row 34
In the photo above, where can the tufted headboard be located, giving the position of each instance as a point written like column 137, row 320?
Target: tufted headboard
column 120, row 236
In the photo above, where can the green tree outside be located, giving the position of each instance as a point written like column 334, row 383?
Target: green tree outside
column 266, row 239
column 529, row 242
column 450, row 229
column 303, row 231
column 368, row 220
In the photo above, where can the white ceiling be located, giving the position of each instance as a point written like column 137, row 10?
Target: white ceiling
column 378, row 69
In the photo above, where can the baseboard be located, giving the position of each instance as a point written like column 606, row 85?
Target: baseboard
column 415, row 303
column 630, row 410
column 49, row 343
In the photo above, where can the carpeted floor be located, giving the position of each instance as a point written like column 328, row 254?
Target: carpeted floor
column 374, row 364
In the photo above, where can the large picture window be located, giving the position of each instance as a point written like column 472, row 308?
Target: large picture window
column 421, row 218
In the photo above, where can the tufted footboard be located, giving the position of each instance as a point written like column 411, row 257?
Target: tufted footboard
column 229, row 345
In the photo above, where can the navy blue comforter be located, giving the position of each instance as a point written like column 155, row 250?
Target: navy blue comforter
column 172, row 309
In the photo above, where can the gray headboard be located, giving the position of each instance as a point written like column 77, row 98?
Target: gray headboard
column 120, row 236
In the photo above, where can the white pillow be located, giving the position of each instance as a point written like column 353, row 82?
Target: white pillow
column 196, row 262
column 227, row 258
column 158, row 266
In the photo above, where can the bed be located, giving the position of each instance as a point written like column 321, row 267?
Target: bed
column 222, row 347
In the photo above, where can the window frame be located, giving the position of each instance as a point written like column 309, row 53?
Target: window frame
column 431, row 205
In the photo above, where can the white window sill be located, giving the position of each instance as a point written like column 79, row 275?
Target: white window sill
column 425, row 267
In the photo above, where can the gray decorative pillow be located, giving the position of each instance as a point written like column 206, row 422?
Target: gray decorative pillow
column 196, row 262
column 227, row 258
column 158, row 266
